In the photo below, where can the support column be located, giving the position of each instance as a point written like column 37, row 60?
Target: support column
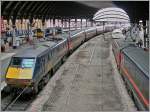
column 91, row 23
column 69, row 24
column 54, row 22
column 61, row 23
column 14, row 32
column 50, row 22
column 28, row 29
column 43, row 26
column 53, row 27
column 30, row 24
column 43, row 23
column 103, row 26
column 69, row 29
column 81, row 23
column 147, row 32
column 86, row 22
column 21, row 24
column 65, row 24
column 76, row 23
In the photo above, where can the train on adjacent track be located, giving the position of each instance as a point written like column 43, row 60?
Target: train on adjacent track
column 133, row 65
column 33, row 67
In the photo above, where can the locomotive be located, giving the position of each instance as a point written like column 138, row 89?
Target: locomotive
column 38, row 33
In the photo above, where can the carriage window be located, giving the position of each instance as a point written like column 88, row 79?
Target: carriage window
column 27, row 63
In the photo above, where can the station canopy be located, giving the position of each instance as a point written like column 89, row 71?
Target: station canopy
column 112, row 14
column 136, row 10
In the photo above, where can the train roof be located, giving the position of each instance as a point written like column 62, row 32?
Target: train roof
column 139, row 57
column 122, row 43
column 90, row 29
column 75, row 32
column 38, row 50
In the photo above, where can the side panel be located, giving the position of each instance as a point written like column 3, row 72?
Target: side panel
column 137, row 81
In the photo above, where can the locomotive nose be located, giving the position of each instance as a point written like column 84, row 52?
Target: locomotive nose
column 19, row 76
column 19, row 73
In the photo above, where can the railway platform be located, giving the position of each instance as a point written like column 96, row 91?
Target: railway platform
column 87, row 82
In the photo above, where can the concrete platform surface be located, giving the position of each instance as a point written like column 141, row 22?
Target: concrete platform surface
column 86, row 82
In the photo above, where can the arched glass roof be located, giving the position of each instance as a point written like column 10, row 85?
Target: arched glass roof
column 111, row 14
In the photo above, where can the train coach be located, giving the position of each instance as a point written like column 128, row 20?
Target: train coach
column 76, row 39
column 132, row 63
column 90, row 32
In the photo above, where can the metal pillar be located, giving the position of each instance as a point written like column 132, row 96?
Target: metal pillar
column 37, row 21
column 50, row 22
column 146, row 34
column 81, row 23
column 103, row 26
column 103, row 29
column 28, row 28
column 69, row 29
column 54, row 27
column 54, row 22
column 86, row 23
column 91, row 23
column 43, row 26
column 66, row 23
column 14, row 32
column 21, row 24
column 32, row 35
column 76, row 23
column 43, row 23
column 61, row 23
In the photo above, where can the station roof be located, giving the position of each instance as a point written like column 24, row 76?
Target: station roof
column 71, row 9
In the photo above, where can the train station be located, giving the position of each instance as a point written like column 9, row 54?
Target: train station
column 74, row 56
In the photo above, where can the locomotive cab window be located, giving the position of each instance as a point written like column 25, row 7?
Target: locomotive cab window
column 27, row 63
column 16, row 61
column 22, row 62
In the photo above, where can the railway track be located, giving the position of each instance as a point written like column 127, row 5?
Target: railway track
column 16, row 102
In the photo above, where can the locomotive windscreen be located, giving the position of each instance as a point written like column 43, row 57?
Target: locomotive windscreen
column 23, row 62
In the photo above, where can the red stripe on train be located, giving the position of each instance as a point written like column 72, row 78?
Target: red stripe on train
column 146, row 102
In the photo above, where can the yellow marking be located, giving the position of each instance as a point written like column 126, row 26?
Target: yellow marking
column 12, row 73
column 25, row 73
column 19, row 73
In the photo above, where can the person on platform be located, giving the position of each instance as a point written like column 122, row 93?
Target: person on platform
column 141, row 35
column 134, row 33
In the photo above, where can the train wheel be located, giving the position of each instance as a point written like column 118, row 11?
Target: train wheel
column 62, row 60
column 41, row 84
column 35, row 90
column 46, row 78
column 7, row 89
